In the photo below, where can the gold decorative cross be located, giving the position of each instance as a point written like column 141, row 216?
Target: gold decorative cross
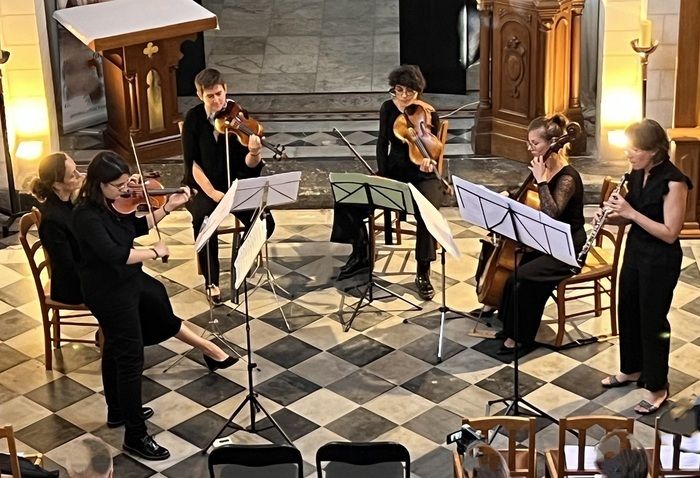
column 150, row 49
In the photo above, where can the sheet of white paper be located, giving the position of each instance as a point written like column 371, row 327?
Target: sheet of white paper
column 249, row 250
column 571, row 457
column 122, row 17
column 282, row 189
column 482, row 207
column 436, row 224
column 222, row 210
column 688, row 461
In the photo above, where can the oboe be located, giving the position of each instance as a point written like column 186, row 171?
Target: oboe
column 600, row 222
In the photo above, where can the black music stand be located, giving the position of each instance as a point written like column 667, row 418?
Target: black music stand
column 371, row 192
column 529, row 228
column 439, row 228
column 253, row 242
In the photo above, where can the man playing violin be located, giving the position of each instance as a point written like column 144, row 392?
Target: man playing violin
column 204, row 151
column 393, row 160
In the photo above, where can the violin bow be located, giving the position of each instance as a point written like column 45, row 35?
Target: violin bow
column 145, row 193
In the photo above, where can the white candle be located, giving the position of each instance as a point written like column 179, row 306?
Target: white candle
column 643, row 9
column 645, row 36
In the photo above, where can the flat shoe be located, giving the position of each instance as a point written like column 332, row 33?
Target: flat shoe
column 613, row 382
column 481, row 313
column 650, row 408
column 147, row 448
column 508, row 350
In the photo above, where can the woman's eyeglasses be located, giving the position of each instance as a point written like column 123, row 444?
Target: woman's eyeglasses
column 401, row 91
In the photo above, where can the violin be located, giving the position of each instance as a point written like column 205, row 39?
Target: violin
column 414, row 127
column 236, row 119
column 133, row 199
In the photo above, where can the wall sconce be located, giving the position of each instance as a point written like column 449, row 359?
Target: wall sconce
column 29, row 150
column 617, row 138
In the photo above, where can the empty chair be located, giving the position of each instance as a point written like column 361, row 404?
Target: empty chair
column 365, row 460
column 668, row 460
column 255, row 461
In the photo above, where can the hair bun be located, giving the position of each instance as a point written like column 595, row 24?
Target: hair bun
column 40, row 189
column 559, row 120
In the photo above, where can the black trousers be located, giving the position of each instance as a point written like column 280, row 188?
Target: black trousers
column 647, row 279
column 202, row 206
column 146, row 321
column 348, row 221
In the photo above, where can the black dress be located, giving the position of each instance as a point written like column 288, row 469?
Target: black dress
column 132, row 307
column 203, row 146
column 649, row 273
column 539, row 274
column 58, row 239
column 394, row 163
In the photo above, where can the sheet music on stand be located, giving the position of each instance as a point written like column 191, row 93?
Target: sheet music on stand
column 533, row 228
column 248, row 252
column 351, row 188
column 282, row 189
column 437, row 225
column 221, row 212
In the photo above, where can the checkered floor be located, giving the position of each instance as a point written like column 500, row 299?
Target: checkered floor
column 379, row 381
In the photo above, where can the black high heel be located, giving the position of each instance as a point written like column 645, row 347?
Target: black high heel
column 213, row 365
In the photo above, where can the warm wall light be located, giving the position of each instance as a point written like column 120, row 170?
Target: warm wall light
column 617, row 138
column 29, row 150
column 29, row 116
column 621, row 106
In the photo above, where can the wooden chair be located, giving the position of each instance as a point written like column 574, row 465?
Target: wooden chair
column 555, row 458
column 597, row 277
column 51, row 310
column 521, row 461
column 7, row 433
column 666, row 459
column 457, row 467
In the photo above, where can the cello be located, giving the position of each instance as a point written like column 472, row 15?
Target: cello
column 498, row 255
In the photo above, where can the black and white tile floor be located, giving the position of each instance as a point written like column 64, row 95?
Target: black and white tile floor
column 379, row 381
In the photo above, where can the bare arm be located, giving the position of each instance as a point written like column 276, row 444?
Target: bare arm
column 674, row 213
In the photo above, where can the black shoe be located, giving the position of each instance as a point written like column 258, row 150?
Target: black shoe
column 509, row 350
column 146, row 447
column 146, row 413
column 214, row 365
column 352, row 260
column 362, row 265
column 425, row 288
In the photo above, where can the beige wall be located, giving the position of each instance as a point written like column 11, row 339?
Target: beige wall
column 27, row 83
column 661, row 79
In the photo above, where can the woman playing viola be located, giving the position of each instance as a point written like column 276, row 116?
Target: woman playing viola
column 132, row 308
column 407, row 83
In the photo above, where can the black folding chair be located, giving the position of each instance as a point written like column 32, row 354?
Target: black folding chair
column 256, row 461
column 368, row 460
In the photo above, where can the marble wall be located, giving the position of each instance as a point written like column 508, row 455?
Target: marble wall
column 304, row 46
column 662, row 63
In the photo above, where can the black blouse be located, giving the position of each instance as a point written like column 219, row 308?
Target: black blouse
column 200, row 146
column 573, row 211
column 649, row 199
column 59, row 242
column 106, row 240
column 392, row 154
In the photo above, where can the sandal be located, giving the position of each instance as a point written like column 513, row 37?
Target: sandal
column 649, row 408
column 613, row 382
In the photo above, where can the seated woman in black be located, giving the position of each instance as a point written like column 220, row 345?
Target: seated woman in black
column 154, row 318
column 407, row 83
column 560, row 191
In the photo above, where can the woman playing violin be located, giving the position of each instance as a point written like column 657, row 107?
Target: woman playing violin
column 407, row 83
column 560, row 192
column 132, row 308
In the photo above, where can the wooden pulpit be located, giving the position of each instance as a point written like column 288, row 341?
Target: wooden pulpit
column 685, row 133
column 140, row 44
column 530, row 66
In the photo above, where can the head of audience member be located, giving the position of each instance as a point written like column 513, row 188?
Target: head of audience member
column 90, row 459
column 482, row 461
column 542, row 130
column 106, row 179
column 648, row 144
column 620, row 455
column 211, row 89
column 57, row 175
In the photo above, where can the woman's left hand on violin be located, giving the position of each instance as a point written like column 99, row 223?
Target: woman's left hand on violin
column 539, row 169
column 427, row 166
column 178, row 199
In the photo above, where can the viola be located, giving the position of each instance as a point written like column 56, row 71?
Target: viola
column 414, row 127
column 235, row 119
column 133, row 198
